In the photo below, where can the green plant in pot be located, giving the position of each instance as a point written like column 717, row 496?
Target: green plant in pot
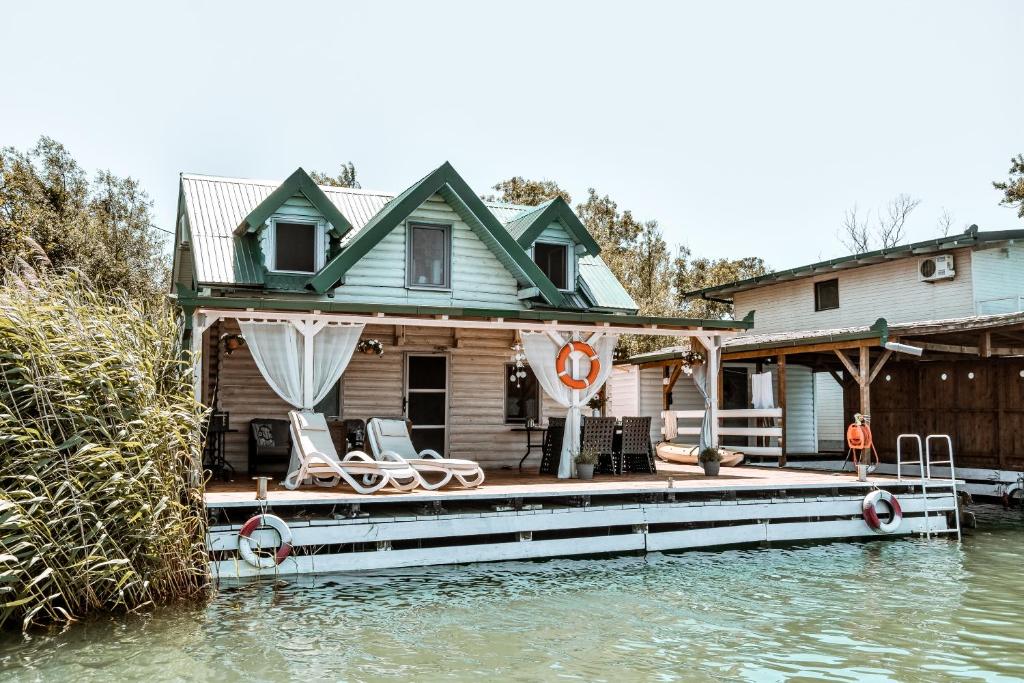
column 586, row 460
column 711, row 460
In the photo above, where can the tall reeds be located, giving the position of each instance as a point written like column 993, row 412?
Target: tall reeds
column 101, row 489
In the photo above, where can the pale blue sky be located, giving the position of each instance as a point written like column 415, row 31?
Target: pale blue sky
column 744, row 128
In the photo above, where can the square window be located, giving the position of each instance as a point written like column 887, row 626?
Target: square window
column 553, row 260
column 826, row 295
column 295, row 247
column 522, row 402
column 429, row 256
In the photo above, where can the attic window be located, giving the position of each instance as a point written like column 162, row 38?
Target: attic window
column 826, row 295
column 295, row 247
column 553, row 260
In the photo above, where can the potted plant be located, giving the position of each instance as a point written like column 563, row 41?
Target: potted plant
column 596, row 404
column 370, row 347
column 711, row 460
column 586, row 459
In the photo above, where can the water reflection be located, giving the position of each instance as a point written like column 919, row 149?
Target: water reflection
column 904, row 610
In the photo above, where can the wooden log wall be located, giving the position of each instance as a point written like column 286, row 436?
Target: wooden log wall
column 980, row 404
column 373, row 386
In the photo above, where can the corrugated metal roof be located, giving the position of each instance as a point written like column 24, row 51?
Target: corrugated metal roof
column 602, row 287
column 217, row 205
column 522, row 221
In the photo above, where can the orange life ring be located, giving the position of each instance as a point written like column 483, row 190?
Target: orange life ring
column 858, row 436
column 561, row 365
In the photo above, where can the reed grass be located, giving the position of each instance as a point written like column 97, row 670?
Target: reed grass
column 101, row 487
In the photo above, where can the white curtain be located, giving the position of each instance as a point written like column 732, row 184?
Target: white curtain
column 541, row 350
column 277, row 348
column 761, row 390
column 279, row 351
column 333, row 347
column 700, row 380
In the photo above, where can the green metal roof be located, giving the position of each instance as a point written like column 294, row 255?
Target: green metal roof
column 297, row 302
column 528, row 227
column 217, row 206
column 971, row 238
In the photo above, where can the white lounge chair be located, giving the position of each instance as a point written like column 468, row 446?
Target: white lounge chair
column 389, row 440
column 319, row 460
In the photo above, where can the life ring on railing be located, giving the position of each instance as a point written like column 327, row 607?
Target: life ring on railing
column 858, row 436
column 264, row 561
column 561, row 365
column 871, row 514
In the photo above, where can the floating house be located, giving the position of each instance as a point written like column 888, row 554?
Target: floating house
column 925, row 338
column 463, row 320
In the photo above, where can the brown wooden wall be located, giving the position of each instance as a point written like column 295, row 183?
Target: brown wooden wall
column 373, row 386
column 984, row 414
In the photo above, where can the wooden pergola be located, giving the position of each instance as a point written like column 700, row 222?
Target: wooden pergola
column 860, row 352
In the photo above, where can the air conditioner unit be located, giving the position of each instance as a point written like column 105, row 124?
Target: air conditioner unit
column 936, row 268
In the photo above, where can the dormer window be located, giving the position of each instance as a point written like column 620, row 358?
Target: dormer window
column 553, row 260
column 294, row 246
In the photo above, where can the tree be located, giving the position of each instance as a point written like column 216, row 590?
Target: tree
column 346, row 177
column 616, row 232
column 53, row 217
column 1013, row 188
column 944, row 223
column 690, row 274
column 519, row 190
column 888, row 229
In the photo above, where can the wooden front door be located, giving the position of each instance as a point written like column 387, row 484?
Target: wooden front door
column 426, row 400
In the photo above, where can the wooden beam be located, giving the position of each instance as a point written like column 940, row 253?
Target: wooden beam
column 804, row 348
column 666, row 388
column 985, row 346
column 864, row 380
column 971, row 350
column 835, row 375
column 850, row 368
column 782, row 405
column 399, row 335
column 878, row 366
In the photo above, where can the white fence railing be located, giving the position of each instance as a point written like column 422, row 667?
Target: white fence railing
column 695, row 418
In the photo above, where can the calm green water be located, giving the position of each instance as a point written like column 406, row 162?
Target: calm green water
column 902, row 610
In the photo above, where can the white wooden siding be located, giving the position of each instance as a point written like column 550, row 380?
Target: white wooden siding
column 828, row 411
column 885, row 290
column 999, row 280
column 801, row 432
column 373, row 386
column 626, row 398
column 478, row 278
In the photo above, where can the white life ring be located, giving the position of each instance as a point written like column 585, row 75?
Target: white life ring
column 871, row 514
column 264, row 561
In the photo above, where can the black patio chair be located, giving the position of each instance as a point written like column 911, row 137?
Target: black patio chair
column 637, row 451
column 552, row 450
column 599, row 435
column 270, row 441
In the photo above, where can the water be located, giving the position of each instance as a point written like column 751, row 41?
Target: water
column 907, row 610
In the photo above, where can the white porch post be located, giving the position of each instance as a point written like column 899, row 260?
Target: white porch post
column 308, row 330
column 714, row 349
column 200, row 323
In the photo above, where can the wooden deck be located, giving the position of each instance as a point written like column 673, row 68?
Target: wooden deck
column 511, row 484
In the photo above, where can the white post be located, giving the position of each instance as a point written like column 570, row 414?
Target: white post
column 308, row 329
column 198, row 328
column 714, row 350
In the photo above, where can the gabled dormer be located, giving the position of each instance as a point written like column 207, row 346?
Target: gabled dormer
column 555, row 238
column 294, row 231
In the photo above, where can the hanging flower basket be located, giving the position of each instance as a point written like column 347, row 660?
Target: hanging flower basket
column 232, row 342
column 371, row 346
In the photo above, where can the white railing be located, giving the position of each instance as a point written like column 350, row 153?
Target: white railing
column 672, row 428
column 1007, row 304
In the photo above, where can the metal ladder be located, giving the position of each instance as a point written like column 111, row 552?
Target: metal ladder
column 924, row 464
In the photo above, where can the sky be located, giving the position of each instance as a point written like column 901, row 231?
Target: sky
column 743, row 128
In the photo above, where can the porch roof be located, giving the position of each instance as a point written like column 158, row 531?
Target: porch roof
column 958, row 329
column 434, row 316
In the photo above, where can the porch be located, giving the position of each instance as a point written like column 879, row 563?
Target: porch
column 448, row 374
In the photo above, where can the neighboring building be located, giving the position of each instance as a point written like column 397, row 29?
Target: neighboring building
column 444, row 280
column 960, row 299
